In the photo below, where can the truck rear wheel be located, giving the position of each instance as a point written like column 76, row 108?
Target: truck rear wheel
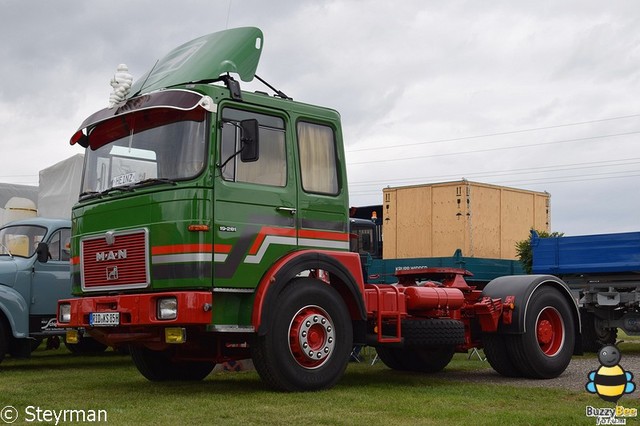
column 594, row 337
column 429, row 344
column 545, row 349
column 158, row 366
column 432, row 332
column 392, row 358
column 435, row 359
column 495, row 349
column 308, row 341
column 423, row 360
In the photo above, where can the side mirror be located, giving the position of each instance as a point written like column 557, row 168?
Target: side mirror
column 43, row 252
column 249, row 141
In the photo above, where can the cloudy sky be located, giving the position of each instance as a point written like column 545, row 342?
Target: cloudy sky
column 535, row 95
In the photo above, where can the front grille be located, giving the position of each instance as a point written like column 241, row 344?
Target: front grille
column 115, row 260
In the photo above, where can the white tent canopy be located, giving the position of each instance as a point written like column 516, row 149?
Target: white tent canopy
column 54, row 197
column 60, row 187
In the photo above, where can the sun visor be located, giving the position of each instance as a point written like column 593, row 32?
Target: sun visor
column 173, row 99
column 206, row 58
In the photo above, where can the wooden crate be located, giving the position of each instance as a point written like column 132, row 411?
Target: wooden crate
column 482, row 220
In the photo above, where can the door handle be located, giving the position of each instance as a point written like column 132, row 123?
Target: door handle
column 291, row 210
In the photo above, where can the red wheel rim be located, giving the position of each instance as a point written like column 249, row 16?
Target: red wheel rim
column 311, row 337
column 550, row 331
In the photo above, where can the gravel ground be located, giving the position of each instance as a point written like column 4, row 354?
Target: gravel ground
column 574, row 378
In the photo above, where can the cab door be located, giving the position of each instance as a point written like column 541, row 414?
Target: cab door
column 322, row 193
column 255, row 205
column 51, row 281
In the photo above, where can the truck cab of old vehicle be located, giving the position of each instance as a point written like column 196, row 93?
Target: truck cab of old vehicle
column 34, row 274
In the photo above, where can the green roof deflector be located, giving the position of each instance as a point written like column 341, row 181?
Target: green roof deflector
column 205, row 59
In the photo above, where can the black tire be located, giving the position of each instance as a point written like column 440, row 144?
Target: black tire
column 122, row 349
column 4, row 340
column 391, row 357
column 545, row 349
column 435, row 359
column 432, row 332
column 35, row 343
column 429, row 344
column 423, row 360
column 401, row 359
column 86, row 346
column 157, row 366
column 280, row 357
column 497, row 354
column 594, row 337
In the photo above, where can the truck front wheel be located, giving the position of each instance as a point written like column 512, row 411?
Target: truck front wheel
column 545, row 349
column 308, row 340
column 159, row 366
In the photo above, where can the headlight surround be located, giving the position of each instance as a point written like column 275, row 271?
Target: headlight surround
column 64, row 313
column 167, row 308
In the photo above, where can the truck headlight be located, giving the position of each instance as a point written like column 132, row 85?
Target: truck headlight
column 64, row 312
column 167, row 308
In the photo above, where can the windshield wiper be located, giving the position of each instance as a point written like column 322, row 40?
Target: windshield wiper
column 149, row 182
column 88, row 194
column 126, row 188
column 97, row 194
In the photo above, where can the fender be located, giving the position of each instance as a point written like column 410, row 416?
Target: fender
column 343, row 267
column 16, row 311
column 523, row 287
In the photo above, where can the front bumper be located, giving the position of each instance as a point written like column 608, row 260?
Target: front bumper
column 194, row 308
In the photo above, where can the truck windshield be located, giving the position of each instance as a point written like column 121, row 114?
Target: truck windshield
column 20, row 240
column 160, row 144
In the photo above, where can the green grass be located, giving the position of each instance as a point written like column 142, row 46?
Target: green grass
column 367, row 395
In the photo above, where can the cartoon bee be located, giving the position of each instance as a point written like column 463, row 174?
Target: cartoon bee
column 610, row 381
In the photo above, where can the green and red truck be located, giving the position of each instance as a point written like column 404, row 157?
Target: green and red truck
column 213, row 225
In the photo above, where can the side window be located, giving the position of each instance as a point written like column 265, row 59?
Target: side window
column 363, row 241
column 317, row 158
column 271, row 166
column 59, row 245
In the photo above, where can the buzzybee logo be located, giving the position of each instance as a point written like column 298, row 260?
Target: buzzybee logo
column 610, row 381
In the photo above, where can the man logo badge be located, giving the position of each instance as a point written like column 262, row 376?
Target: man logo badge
column 112, row 273
column 109, row 238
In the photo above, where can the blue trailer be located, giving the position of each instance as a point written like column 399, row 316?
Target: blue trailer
column 603, row 272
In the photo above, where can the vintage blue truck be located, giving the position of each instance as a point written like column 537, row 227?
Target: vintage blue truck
column 34, row 274
column 603, row 272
